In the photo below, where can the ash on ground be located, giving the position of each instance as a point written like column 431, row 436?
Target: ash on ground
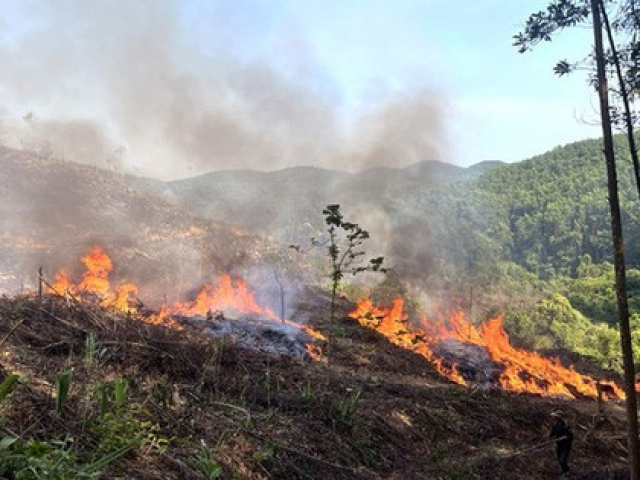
column 473, row 362
column 257, row 333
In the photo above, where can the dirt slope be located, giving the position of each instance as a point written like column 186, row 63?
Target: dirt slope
column 52, row 212
column 373, row 411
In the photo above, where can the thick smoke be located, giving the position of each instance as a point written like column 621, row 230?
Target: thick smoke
column 126, row 85
column 405, row 130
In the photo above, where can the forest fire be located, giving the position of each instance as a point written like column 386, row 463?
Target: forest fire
column 95, row 283
column 460, row 351
column 223, row 297
column 519, row 370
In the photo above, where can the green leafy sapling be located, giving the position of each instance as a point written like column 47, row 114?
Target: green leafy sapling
column 345, row 251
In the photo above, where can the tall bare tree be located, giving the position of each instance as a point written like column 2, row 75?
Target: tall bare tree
column 541, row 26
column 618, row 246
column 621, row 54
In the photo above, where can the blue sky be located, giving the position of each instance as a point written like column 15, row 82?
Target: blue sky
column 499, row 104
column 180, row 87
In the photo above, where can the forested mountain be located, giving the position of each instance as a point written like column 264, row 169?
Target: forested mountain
column 530, row 239
column 548, row 214
column 556, row 210
column 545, row 213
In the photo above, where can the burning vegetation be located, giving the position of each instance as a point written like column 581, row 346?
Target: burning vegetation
column 466, row 354
column 212, row 307
column 440, row 342
column 203, row 405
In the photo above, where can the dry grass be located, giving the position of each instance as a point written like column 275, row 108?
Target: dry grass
column 375, row 411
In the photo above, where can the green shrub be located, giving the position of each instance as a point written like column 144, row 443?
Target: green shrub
column 346, row 409
column 117, row 431
column 205, row 464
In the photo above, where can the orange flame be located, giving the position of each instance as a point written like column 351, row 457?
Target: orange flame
column 95, row 280
column 123, row 297
column 62, row 283
column 236, row 300
column 224, row 296
column 523, row 371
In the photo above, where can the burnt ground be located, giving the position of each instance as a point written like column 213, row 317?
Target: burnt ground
column 213, row 409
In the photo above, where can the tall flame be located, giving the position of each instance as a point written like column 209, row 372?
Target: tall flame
column 522, row 371
column 95, row 280
column 224, row 295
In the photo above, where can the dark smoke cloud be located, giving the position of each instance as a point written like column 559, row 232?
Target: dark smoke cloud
column 123, row 85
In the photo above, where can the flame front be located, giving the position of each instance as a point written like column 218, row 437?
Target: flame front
column 95, row 279
column 522, row 371
column 224, row 296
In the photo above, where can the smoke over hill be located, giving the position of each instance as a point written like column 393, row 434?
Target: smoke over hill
column 145, row 88
column 53, row 212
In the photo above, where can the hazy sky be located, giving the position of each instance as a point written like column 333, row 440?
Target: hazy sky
column 175, row 88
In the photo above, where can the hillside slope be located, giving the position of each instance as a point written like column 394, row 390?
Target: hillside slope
column 545, row 213
column 200, row 408
column 52, row 212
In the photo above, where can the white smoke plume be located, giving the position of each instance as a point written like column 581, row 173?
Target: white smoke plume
column 130, row 86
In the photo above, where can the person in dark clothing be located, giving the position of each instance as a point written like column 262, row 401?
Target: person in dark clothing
column 561, row 432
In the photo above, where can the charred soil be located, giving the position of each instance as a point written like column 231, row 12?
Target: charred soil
column 209, row 408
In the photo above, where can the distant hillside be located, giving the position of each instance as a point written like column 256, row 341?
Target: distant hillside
column 265, row 202
column 544, row 213
column 552, row 210
column 52, row 212
column 403, row 208
column 432, row 220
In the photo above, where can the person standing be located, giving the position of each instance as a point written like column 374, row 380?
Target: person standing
column 561, row 432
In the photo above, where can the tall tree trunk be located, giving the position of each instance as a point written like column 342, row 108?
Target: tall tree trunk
column 618, row 249
column 624, row 95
